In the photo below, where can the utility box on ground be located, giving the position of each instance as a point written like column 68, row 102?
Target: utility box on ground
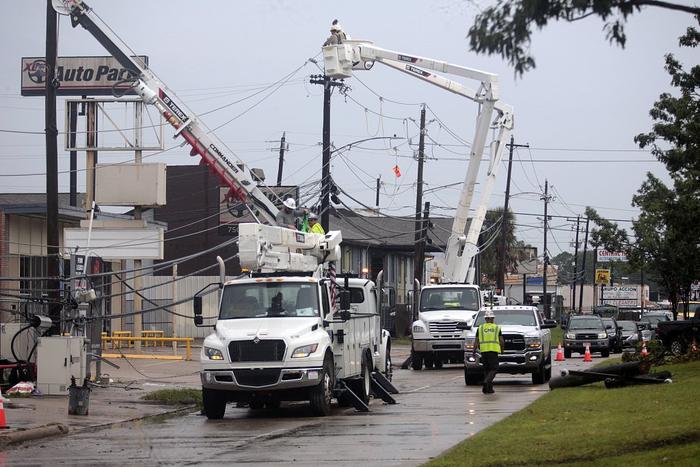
column 58, row 358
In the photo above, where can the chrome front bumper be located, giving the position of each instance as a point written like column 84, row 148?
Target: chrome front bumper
column 289, row 378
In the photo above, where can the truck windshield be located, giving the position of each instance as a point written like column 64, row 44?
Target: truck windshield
column 269, row 299
column 447, row 299
column 510, row 317
column 588, row 323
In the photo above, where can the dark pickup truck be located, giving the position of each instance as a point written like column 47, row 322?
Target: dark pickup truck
column 677, row 336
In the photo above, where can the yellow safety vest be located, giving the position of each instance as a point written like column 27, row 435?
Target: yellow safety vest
column 488, row 337
column 317, row 228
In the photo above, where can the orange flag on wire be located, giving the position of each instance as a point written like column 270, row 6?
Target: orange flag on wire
column 397, row 171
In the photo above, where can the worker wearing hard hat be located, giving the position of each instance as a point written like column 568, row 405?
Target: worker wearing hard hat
column 289, row 214
column 337, row 36
column 314, row 226
column 489, row 341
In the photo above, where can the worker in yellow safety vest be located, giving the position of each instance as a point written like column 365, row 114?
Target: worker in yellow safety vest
column 314, row 226
column 489, row 341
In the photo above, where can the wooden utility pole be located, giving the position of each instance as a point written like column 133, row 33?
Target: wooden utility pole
column 501, row 265
column 420, row 225
column 583, row 269
column 283, row 146
column 545, row 298
column 573, row 299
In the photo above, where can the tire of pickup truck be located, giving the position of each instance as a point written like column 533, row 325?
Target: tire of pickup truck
column 214, row 403
column 540, row 376
column 677, row 347
column 321, row 395
column 605, row 353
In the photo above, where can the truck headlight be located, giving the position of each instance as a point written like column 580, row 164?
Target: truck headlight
column 570, row 335
column 469, row 343
column 533, row 342
column 417, row 328
column 213, row 354
column 602, row 335
column 304, row 351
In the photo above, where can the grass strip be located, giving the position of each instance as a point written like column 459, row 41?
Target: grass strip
column 591, row 425
column 179, row 396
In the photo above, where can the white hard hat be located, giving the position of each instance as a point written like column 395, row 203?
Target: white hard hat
column 489, row 314
column 290, row 203
column 335, row 27
column 313, row 216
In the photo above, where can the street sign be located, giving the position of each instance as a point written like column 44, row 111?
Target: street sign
column 605, row 256
column 625, row 295
column 602, row 277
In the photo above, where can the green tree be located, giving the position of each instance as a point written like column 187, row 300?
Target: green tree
column 490, row 240
column 506, row 28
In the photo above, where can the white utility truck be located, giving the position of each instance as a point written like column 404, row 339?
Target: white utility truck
column 279, row 334
column 441, row 307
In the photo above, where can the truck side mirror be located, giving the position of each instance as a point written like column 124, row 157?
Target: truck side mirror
column 463, row 326
column 345, row 300
column 197, row 306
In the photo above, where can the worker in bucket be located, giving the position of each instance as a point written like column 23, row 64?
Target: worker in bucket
column 337, row 36
column 289, row 214
column 489, row 341
column 314, row 226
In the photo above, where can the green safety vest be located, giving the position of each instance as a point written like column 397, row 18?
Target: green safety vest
column 488, row 337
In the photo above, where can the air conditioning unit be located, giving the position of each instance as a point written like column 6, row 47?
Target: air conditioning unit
column 58, row 359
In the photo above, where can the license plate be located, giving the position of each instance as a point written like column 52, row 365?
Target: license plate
column 586, row 344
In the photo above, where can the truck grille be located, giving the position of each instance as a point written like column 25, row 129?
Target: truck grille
column 258, row 377
column 586, row 336
column 514, row 341
column 262, row 351
column 444, row 327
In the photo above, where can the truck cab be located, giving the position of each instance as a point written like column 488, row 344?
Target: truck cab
column 276, row 339
column 436, row 338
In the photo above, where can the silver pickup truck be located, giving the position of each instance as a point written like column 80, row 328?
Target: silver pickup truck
column 528, row 344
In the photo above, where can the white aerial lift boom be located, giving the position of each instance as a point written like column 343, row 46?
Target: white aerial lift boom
column 436, row 338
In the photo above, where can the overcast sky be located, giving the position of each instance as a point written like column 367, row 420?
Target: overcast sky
column 579, row 110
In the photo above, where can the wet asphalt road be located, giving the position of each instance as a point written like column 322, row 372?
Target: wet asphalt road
column 435, row 411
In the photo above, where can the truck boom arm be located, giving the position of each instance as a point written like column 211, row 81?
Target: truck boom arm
column 241, row 185
column 341, row 59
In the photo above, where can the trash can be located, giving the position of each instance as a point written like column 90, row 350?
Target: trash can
column 78, row 398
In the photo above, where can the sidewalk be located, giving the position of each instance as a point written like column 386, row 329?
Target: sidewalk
column 116, row 401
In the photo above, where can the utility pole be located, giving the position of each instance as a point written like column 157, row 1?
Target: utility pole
column 379, row 184
column 501, row 266
column 546, row 301
column 72, row 136
column 573, row 300
column 52, row 170
column 283, row 146
column 419, row 251
column 419, row 260
column 328, row 84
column 583, row 269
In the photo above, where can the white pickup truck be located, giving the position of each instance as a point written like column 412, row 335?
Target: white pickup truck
column 276, row 340
column 527, row 339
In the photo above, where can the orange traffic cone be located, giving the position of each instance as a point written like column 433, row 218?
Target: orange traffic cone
column 644, row 350
column 3, row 421
column 560, row 354
column 587, row 355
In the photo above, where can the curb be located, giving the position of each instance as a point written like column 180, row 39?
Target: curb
column 178, row 411
column 30, row 434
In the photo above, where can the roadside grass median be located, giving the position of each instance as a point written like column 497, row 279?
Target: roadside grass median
column 591, row 425
column 179, row 396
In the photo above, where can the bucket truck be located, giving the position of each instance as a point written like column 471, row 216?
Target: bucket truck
column 279, row 334
column 436, row 338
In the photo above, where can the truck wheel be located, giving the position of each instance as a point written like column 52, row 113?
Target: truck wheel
column 428, row 362
column 472, row 378
column 539, row 376
column 366, row 382
column 214, row 403
column 416, row 361
column 677, row 347
column 321, row 395
column 605, row 353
